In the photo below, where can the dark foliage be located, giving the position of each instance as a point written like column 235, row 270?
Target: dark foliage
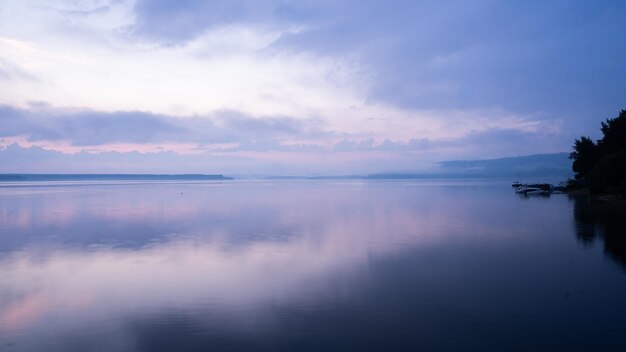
column 603, row 164
column 585, row 156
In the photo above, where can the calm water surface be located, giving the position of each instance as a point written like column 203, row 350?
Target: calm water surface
column 308, row 266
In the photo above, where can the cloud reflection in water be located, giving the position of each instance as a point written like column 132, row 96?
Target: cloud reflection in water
column 292, row 264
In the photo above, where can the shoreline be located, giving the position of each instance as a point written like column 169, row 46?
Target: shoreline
column 615, row 198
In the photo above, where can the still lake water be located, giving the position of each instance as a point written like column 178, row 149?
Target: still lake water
column 308, row 266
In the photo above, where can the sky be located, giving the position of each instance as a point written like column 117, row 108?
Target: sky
column 301, row 87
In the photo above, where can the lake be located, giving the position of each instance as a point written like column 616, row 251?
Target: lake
column 308, row 265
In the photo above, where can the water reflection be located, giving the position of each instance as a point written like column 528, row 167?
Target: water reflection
column 599, row 218
column 82, row 255
column 294, row 266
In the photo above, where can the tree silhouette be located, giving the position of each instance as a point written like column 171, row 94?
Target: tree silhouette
column 585, row 156
column 603, row 164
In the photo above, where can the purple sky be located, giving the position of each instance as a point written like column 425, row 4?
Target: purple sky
column 301, row 87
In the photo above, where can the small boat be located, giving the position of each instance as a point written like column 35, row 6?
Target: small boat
column 516, row 184
column 530, row 190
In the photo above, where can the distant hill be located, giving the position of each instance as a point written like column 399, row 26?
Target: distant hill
column 540, row 165
column 108, row 177
column 530, row 165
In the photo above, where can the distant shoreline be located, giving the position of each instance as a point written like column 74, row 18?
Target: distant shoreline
column 109, row 177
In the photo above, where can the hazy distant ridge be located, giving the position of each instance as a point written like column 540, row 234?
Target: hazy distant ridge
column 540, row 165
column 530, row 165
column 104, row 177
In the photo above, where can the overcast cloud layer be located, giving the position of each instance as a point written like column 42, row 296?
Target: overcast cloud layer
column 301, row 86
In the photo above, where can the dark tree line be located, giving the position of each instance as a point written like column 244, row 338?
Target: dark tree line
column 602, row 165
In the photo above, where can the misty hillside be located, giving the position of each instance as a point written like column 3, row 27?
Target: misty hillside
column 531, row 165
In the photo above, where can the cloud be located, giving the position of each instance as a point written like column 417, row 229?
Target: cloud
column 388, row 145
column 44, row 138
column 561, row 59
column 173, row 22
column 12, row 73
column 94, row 128
column 523, row 57
column 499, row 142
column 315, row 82
column 34, row 159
